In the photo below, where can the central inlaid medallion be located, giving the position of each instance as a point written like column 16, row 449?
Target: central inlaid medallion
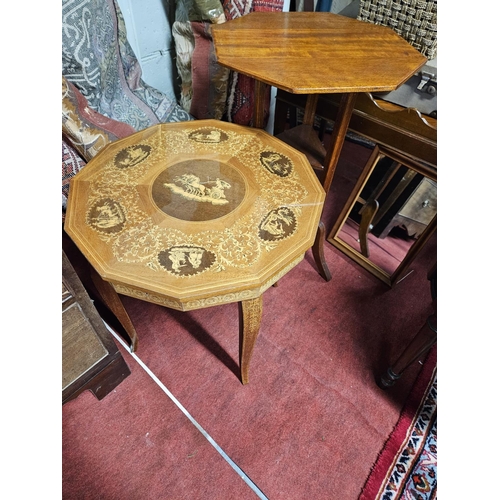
column 198, row 190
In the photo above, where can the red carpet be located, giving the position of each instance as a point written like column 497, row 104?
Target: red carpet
column 311, row 422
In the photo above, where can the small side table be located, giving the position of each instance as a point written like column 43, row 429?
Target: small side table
column 192, row 215
column 315, row 53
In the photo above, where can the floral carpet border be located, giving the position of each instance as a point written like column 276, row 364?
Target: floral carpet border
column 406, row 468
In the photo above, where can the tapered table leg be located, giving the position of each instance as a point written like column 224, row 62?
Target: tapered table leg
column 338, row 136
column 114, row 303
column 251, row 315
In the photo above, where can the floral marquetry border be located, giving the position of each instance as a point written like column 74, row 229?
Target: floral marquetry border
column 216, row 300
column 114, row 205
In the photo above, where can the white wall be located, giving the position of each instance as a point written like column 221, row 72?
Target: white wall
column 148, row 32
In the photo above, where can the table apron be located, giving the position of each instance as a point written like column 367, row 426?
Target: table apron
column 191, row 304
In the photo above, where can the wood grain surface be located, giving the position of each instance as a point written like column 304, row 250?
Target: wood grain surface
column 316, row 52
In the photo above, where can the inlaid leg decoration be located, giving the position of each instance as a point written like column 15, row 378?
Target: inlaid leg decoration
column 251, row 314
column 319, row 254
column 112, row 300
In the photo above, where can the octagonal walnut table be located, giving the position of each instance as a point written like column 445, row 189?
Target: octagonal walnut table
column 194, row 214
column 315, row 53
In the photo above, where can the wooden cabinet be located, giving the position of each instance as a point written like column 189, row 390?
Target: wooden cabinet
column 90, row 358
column 415, row 213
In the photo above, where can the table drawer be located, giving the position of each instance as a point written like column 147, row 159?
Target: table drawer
column 422, row 205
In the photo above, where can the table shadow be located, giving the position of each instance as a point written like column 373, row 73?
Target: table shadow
column 199, row 333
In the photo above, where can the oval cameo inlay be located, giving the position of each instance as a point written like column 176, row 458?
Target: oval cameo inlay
column 186, row 260
column 131, row 156
column 276, row 163
column 277, row 224
column 106, row 216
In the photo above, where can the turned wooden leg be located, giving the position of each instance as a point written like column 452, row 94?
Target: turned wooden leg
column 338, row 136
column 310, row 109
column 421, row 343
column 319, row 254
column 113, row 302
column 259, row 96
column 251, row 314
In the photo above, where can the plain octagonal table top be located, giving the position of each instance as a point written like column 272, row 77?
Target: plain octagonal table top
column 316, row 52
column 195, row 214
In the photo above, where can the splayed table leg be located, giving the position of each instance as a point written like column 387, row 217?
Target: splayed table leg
column 251, row 315
column 115, row 305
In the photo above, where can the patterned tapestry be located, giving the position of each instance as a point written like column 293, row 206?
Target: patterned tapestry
column 72, row 163
column 241, row 87
column 84, row 129
column 203, row 81
column 99, row 61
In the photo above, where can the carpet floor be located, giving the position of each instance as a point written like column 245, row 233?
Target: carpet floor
column 312, row 420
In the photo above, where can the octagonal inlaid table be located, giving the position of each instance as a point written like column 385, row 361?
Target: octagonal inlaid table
column 194, row 214
column 315, row 53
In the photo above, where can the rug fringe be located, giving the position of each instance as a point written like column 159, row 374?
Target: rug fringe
column 383, row 466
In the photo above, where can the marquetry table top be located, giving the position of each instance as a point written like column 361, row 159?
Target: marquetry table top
column 315, row 52
column 195, row 214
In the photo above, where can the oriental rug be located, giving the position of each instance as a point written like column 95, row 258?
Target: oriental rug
column 406, row 468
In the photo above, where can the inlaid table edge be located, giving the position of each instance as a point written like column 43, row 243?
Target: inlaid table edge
column 205, row 300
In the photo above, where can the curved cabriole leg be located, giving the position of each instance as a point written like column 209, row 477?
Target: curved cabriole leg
column 251, row 314
column 368, row 212
column 113, row 302
column 319, row 255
